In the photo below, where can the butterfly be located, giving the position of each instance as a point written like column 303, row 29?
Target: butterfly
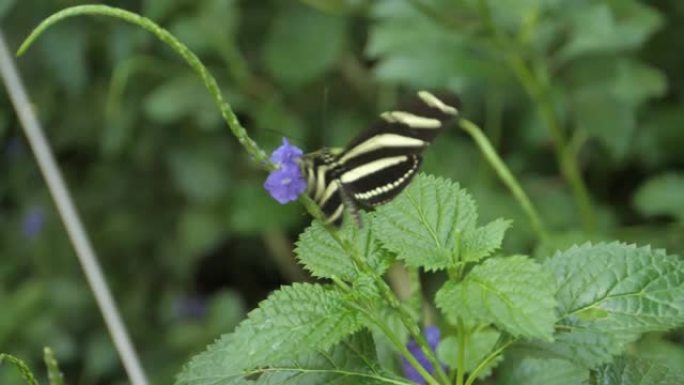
column 380, row 162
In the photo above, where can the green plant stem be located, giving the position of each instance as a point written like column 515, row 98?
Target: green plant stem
column 506, row 176
column 406, row 353
column 483, row 364
column 565, row 155
column 462, row 341
column 415, row 301
column 395, row 304
column 388, row 332
column 55, row 376
column 538, row 91
column 19, row 364
column 209, row 81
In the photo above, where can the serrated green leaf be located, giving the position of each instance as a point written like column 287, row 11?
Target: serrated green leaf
column 303, row 44
column 662, row 195
column 324, row 257
column 291, row 321
column 479, row 345
column 516, row 294
column 635, row 371
column 427, row 224
column 541, row 371
column 483, row 241
column 353, row 361
column 609, row 294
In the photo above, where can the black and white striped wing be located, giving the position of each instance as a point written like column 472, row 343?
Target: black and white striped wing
column 381, row 161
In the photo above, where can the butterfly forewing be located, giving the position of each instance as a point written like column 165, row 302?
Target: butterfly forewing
column 380, row 162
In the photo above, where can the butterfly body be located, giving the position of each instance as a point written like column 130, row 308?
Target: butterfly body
column 379, row 163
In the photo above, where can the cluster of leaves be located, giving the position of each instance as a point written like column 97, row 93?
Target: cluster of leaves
column 573, row 311
column 161, row 185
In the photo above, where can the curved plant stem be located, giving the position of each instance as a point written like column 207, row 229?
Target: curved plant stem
column 19, row 364
column 209, row 81
column 506, row 176
column 483, row 364
column 538, row 91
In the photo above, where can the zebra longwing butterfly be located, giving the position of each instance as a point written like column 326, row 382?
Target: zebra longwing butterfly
column 379, row 163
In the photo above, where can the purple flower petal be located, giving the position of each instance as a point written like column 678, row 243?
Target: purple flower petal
column 432, row 335
column 286, row 154
column 286, row 183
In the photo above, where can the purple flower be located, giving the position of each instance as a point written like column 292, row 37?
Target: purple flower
column 432, row 335
column 32, row 222
column 286, row 183
column 14, row 148
column 190, row 307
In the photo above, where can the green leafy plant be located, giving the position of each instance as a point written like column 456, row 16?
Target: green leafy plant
column 506, row 318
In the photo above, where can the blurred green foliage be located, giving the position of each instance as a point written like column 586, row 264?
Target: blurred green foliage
column 188, row 237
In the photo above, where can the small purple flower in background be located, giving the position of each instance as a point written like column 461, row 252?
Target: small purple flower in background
column 14, row 148
column 432, row 335
column 286, row 183
column 190, row 307
column 33, row 222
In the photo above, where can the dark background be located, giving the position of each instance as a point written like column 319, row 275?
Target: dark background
column 188, row 238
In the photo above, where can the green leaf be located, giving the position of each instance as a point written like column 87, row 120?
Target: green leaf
column 5, row 7
column 428, row 54
column 609, row 294
column 324, row 257
column 607, row 28
column 634, row 371
column 65, row 53
column 353, row 361
column 635, row 82
column 541, row 371
column 211, row 27
column 293, row 320
column 658, row 347
column 483, row 241
column 479, row 344
column 514, row 293
column 198, row 174
column 199, row 229
column 181, row 98
column 433, row 225
column 252, row 210
column 303, row 44
column 605, row 94
column 662, row 195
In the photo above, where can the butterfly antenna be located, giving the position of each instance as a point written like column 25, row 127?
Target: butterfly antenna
column 324, row 110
